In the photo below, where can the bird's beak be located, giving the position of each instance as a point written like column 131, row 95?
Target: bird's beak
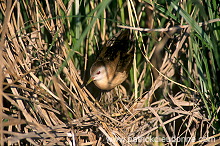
column 90, row 80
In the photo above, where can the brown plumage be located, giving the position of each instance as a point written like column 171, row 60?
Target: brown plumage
column 114, row 62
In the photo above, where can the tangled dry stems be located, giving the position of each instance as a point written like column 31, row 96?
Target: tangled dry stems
column 43, row 108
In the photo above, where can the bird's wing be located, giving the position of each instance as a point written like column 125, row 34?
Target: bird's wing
column 118, row 52
column 113, row 48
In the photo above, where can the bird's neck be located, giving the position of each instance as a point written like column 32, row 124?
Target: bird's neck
column 103, row 84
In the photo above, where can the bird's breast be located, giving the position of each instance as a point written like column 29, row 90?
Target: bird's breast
column 110, row 83
column 103, row 84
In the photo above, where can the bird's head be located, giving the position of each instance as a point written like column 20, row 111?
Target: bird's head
column 97, row 72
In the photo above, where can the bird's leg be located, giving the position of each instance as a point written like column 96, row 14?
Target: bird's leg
column 120, row 91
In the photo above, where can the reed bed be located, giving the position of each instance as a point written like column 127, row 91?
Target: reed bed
column 171, row 96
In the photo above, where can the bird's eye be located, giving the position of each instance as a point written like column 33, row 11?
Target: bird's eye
column 98, row 73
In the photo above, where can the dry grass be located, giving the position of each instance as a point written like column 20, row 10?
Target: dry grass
column 44, row 100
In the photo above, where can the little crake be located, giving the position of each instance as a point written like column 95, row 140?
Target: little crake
column 113, row 64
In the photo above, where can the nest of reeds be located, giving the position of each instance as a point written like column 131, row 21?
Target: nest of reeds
column 48, row 47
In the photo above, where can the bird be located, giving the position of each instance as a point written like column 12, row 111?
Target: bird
column 114, row 62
